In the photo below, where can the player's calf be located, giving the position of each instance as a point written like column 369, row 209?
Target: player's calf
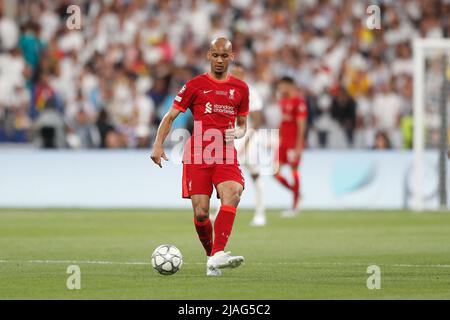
column 203, row 225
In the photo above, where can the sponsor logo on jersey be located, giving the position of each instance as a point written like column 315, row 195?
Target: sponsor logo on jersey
column 224, row 109
column 178, row 98
column 182, row 89
column 208, row 107
column 220, row 108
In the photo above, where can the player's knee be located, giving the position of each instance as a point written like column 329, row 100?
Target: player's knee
column 233, row 198
column 201, row 213
column 276, row 171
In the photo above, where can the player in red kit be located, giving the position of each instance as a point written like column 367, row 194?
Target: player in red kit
column 219, row 104
column 292, row 136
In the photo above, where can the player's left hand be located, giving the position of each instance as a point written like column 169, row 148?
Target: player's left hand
column 230, row 135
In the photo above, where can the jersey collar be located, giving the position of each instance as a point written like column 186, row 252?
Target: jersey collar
column 218, row 81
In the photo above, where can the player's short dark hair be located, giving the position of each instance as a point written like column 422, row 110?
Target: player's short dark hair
column 286, row 79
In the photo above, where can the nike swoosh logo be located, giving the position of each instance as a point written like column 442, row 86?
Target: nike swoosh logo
column 206, row 91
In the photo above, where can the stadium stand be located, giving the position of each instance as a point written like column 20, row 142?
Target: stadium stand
column 108, row 84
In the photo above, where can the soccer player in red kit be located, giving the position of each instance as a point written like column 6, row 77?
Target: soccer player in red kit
column 219, row 104
column 292, row 136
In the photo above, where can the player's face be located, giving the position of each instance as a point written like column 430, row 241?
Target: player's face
column 284, row 89
column 220, row 58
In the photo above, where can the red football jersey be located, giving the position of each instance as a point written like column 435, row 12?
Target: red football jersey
column 215, row 105
column 292, row 108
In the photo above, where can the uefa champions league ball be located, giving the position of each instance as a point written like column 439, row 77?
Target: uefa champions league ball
column 167, row 259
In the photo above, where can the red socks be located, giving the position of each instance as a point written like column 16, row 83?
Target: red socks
column 222, row 227
column 222, row 230
column 283, row 181
column 204, row 231
column 296, row 188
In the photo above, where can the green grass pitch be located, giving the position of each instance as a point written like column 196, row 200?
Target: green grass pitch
column 318, row 255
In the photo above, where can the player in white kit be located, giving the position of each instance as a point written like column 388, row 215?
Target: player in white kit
column 247, row 148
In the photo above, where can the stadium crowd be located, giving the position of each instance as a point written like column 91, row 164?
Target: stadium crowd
column 109, row 83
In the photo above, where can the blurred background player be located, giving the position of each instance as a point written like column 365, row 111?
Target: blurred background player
column 247, row 148
column 217, row 101
column 292, row 137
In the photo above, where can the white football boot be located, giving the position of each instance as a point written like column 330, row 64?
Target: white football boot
column 222, row 260
column 290, row 213
column 258, row 221
column 212, row 271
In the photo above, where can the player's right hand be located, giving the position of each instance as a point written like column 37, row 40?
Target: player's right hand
column 293, row 155
column 157, row 154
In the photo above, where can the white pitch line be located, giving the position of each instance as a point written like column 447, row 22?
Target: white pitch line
column 100, row 262
column 74, row 261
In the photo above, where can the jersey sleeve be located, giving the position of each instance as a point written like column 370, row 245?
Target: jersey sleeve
column 185, row 97
column 243, row 106
column 301, row 110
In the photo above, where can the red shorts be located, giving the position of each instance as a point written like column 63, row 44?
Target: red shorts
column 200, row 178
column 283, row 157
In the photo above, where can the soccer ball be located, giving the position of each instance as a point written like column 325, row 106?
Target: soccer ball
column 167, row 259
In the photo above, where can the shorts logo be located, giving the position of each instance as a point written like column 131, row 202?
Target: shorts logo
column 190, row 185
column 208, row 107
column 231, row 94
